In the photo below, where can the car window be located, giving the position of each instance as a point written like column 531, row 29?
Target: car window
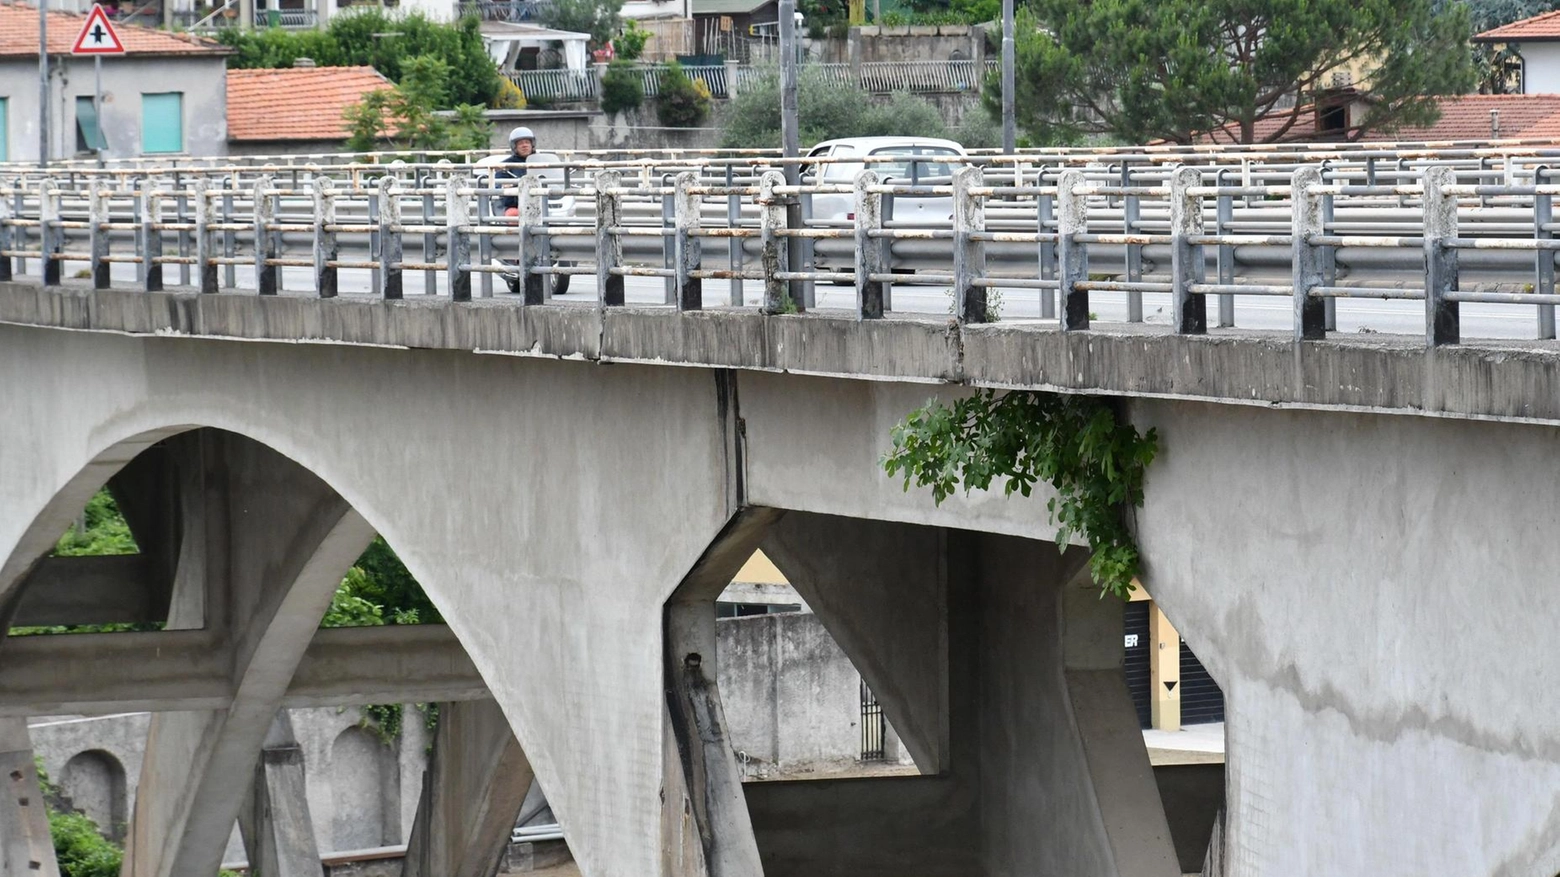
column 841, row 171
column 923, row 168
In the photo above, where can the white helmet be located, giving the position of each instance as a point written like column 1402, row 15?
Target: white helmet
column 522, row 133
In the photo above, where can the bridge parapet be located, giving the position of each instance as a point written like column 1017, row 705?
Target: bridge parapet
column 1001, row 236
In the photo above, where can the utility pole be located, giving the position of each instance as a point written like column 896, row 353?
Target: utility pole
column 43, row 83
column 791, row 140
column 1009, row 126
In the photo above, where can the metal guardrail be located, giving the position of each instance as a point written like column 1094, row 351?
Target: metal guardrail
column 876, row 77
column 1442, row 230
column 565, row 85
column 884, row 77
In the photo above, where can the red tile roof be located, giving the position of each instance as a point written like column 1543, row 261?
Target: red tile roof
column 1467, row 117
column 19, row 36
column 1539, row 27
column 298, row 103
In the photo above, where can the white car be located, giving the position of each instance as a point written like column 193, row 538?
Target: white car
column 917, row 160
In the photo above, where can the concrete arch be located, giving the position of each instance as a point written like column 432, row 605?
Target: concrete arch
column 523, row 557
column 94, row 781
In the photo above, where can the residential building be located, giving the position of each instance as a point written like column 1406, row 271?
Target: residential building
column 294, row 110
column 165, row 95
column 1536, row 42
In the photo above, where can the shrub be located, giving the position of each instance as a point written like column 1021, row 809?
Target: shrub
column 630, row 44
column 621, row 88
column 510, row 97
column 752, row 118
column 681, row 103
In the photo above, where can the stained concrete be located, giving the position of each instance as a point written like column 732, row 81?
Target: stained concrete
column 26, row 849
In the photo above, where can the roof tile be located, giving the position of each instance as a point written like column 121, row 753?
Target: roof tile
column 19, row 36
column 297, row 103
column 1539, row 27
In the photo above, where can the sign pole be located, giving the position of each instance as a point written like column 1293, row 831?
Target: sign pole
column 1009, row 99
column 43, row 83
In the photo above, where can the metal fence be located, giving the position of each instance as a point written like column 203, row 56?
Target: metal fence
column 923, row 77
column 884, row 77
column 1441, row 229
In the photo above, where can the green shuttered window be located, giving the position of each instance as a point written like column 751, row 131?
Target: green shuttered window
column 162, row 122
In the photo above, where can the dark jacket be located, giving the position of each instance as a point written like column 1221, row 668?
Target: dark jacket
column 503, row 175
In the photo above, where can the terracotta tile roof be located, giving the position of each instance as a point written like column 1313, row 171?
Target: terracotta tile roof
column 1539, row 27
column 19, row 36
column 299, row 103
column 1467, row 117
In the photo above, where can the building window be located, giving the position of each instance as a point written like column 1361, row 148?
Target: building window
column 89, row 133
column 162, row 122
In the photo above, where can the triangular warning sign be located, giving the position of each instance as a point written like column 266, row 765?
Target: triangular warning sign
column 1169, row 686
column 97, row 36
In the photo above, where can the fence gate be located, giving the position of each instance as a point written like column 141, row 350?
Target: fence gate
column 871, row 725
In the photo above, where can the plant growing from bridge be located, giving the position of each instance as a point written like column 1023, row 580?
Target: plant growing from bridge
column 1174, row 69
column 1077, row 444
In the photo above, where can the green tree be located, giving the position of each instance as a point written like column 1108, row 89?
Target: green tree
column 599, row 18
column 1077, row 444
column 826, row 111
column 681, row 102
column 407, row 117
column 1171, row 69
column 622, row 88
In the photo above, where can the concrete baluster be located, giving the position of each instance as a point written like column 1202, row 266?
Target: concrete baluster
column 774, row 247
column 457, row 244
column 1306, row 221
column 1544, row 260
column 969, row 254
column 1440, row 224
column 389, row 238
column 1072, row 254
column 689, row 246
column 326, row 250
column 205, row 239
column 609, row 247
column 49, row 232
column 151, row 238
column 1189, row 311
column 265, row 237
column 869, row 253
column 533, row 247
column 99, row 236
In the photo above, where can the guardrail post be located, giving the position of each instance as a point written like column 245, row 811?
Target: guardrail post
column 18, row 235
column 869, row 250
column 1131, row 213
column 151, row 239
column 1223, row 217
column 205, row 239
column 265, row 238
column 50, row 235
column 533, row 247
column 98, row 236
column 668, row 244
column 325, row 249
column 390, row 282
column 1440, row 223
column 1544, row 260
column 609, row 246
column 182, row 237
column 774, row 247
column 689, row 247
column 734, row 252
column 1307, row 265
column 969, row 256
column 1188, row 310
column 229, row 237
column 457, row 245
column 1072, row 255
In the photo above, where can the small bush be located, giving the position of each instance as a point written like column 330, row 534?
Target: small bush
column 622, row 88
column 81, row 851
column 826, row 110
column 510, row 97
column 682, row 103
column 630, row 44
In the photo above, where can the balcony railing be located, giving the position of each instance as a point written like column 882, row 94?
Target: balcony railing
column 503, row 10
column 877, row 77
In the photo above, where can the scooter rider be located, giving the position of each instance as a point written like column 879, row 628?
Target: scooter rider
column 522, row 144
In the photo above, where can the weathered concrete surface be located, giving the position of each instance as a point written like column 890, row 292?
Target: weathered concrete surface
column 476, row 781
column 26, row 849
column 278, row 831
column 1370, row 594
column 1508, row 381
column 100, row 673
column 471, row 467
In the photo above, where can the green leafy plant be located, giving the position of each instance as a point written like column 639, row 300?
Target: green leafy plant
column 1094, row 461
column 79, row 846
column 629, row 45
column 825, row 110
column 406, row 116
column 622, row 88
column 681, row 102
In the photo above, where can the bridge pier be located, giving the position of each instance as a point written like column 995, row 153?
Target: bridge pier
column 274, row 821
column 473, row 789
column 264, row 545
column 26, row 849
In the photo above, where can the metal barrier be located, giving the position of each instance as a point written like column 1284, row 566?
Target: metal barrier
column 886, row 77
column 1443, row 229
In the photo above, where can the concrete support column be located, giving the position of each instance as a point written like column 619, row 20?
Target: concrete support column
column 278, row 832
column 473, row 789
column 1164, row 667
column 26, row 849
column 265, row 544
